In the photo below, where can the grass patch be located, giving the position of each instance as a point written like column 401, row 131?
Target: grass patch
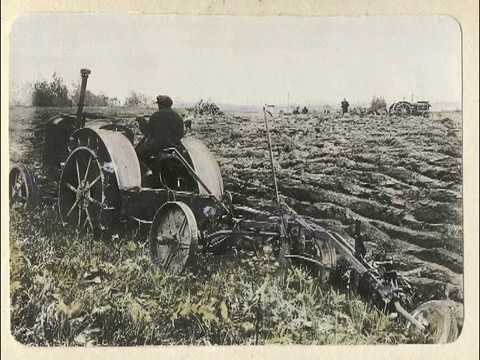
column 70, row 290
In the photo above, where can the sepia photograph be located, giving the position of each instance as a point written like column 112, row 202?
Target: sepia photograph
column 220, row 180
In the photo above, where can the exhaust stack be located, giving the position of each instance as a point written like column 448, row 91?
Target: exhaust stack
column 83, row 88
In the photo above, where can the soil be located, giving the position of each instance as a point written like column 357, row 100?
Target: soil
column 401, row 177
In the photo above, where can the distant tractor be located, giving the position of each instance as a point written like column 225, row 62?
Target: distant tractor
column 405, row 108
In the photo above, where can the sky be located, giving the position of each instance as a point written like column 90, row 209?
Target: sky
column 244, row 60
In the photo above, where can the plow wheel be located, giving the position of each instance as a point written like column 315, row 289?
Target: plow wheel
column 84, row 196
column 173, row 237
column 23, row 190
column 439, row 320
column 327, row 257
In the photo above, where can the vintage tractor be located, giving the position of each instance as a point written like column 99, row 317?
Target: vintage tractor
column 405, row 108
column 178, row 193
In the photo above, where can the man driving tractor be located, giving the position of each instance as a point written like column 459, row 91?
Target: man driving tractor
column 165, row 128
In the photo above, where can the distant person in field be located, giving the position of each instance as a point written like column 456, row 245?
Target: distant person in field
column 345, row 106
column 164, row 128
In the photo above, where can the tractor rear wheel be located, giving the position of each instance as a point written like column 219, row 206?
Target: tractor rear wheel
column 125, row 131
column 88, row 195
column 100, row 165
column 173, row 237
column 402, row 109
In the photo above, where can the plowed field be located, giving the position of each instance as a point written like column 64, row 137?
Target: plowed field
column 401, row 177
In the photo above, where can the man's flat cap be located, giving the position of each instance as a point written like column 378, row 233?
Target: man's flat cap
column 164, row 101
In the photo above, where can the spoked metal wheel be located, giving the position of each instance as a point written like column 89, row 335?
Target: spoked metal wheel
column 439, row 320
column 173, row 237
column 100, row 165
column 23, row 190
column 82, row 199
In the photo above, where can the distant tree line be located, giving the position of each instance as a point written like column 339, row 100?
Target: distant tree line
column 53, row 93
column 56, row 93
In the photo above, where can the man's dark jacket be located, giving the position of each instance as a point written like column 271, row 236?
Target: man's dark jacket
column 166, row 127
